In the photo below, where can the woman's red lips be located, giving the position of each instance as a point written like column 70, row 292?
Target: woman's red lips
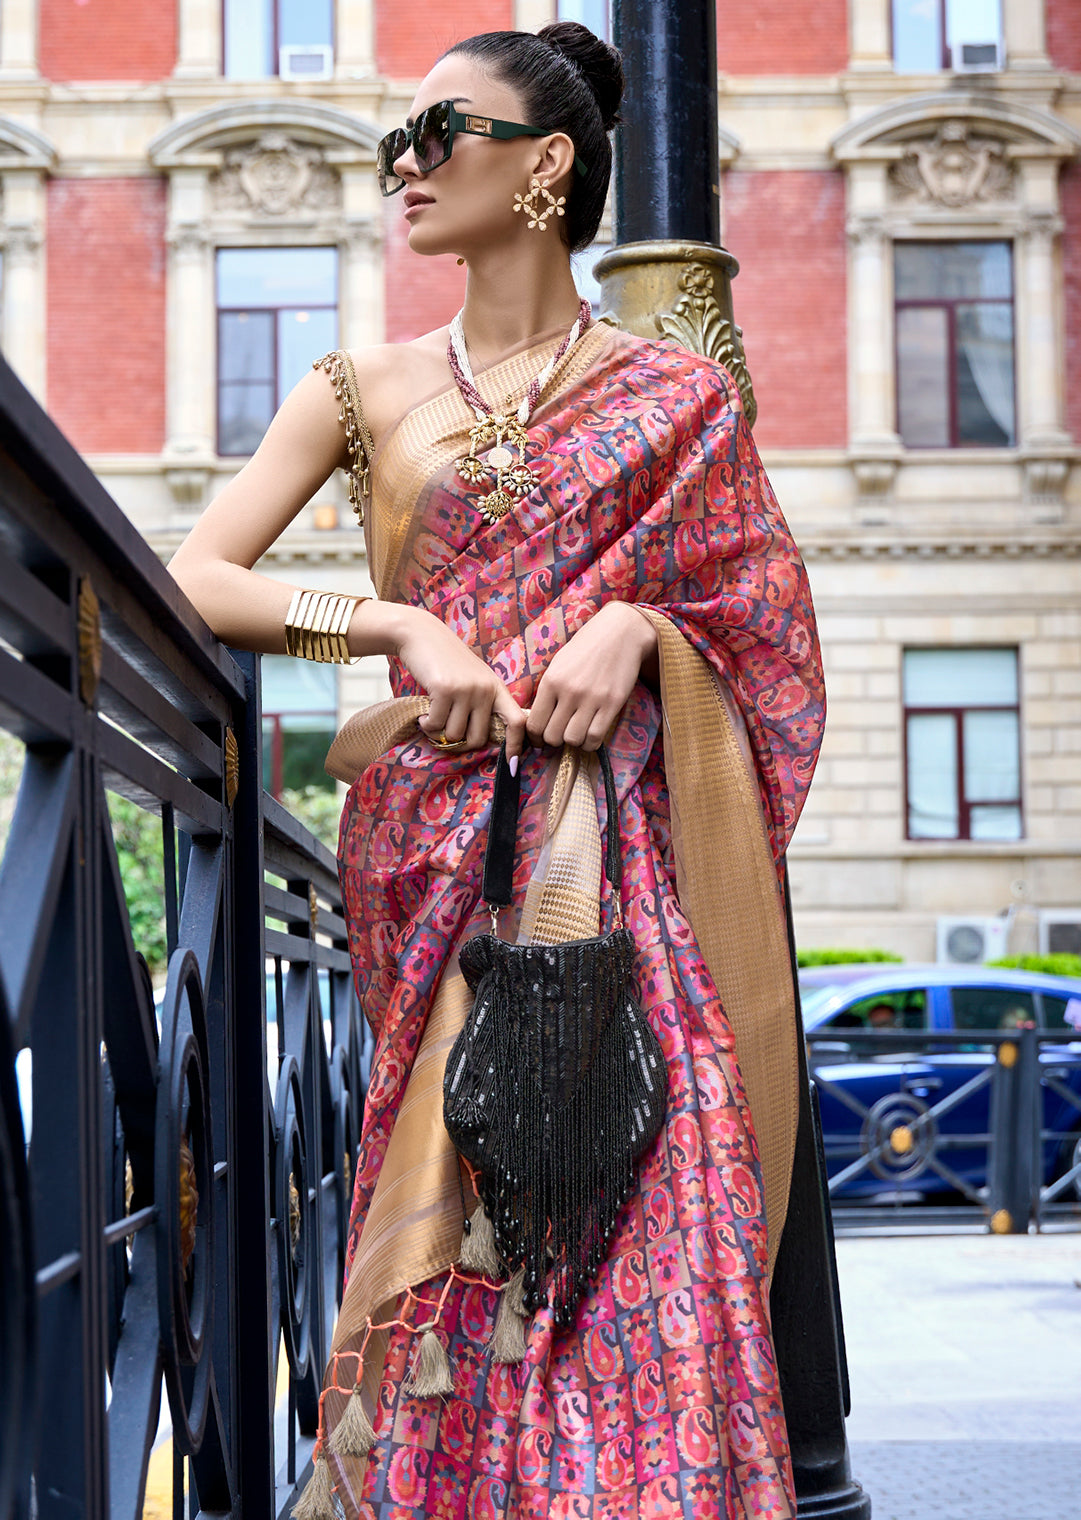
column 415, row 198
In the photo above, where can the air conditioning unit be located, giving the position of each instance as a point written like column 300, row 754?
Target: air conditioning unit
column 308, row 62
column 977, row 57
column 969, row 941
column 1060, row 931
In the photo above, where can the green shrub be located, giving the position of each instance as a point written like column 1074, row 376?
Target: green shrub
column 137, row 835
column 317, row 809
column 844, row 957
column 1054, row 965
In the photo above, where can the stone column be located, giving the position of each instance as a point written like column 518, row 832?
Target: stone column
column 874, row 445
column 870, row 35
column 23, row 318
column 361, row 310
column 1024, row 34
column 190, row 401
column 19, row 40
column 872, row 405
column 199, row 50
column 1039, row 355
column 354, row 39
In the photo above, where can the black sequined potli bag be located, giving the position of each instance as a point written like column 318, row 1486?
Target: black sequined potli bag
column 556, row 1084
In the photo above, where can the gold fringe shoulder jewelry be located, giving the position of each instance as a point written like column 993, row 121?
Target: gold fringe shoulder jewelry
column 317, row 626
column 501, row 437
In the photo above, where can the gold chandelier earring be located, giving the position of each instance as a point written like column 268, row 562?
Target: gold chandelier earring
column 532, row 203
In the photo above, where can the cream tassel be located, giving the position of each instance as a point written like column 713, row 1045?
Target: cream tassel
column 478, row 1252
column 353, row 1435
column 317, row 1500
column 432, row 1374
column 508, row 1337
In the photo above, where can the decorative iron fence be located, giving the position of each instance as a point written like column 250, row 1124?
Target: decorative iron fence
column 939, row 1127
column 161, row 1185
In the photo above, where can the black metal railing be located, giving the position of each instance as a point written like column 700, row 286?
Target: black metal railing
column 973, row 1126
column 176, row 1214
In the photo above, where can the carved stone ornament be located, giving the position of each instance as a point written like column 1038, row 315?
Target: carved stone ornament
column 698, row 322
column 275, row 176
column 88, row 622
column 954, row 168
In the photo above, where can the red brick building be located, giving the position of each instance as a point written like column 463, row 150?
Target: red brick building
column 189, row 216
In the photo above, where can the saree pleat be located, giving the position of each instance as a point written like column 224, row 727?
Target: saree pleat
column 662, row 1400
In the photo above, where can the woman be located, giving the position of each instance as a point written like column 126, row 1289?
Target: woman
column 572, row 542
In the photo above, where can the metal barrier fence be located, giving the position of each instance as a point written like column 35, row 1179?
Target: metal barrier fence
column 979, row 1126
column 171, row 1190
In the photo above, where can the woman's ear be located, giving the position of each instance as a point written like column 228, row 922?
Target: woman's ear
column 556, row 158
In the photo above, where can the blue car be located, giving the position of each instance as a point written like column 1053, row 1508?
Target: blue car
column 911, row 1121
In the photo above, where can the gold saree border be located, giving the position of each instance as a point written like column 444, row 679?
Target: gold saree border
column 727, row 885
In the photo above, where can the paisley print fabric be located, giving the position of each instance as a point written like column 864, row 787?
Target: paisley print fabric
column 662, row 1400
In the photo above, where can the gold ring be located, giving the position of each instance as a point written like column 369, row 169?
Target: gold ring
column 449, row 746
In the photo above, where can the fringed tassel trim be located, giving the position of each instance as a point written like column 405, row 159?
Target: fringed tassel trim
column 508, row 1336
column 354, row 1435
column 317, row 1500
column 431, row 1373
column 478, row 1252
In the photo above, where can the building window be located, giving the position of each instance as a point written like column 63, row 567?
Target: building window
column 596, row 14
column 277, row 313
column 929, row 35
column 954, row 336
column 300, row 710
column 962, row 744
column 261, row 38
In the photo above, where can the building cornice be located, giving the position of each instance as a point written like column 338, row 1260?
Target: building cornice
column 840, row 544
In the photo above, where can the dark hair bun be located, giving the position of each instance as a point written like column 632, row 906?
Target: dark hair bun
column 598, row 62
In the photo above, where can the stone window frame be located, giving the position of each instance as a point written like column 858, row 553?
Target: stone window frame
column 1024, row 33
column 27, row 158
column 200, row 40
column 957, row 167
column 249, row 174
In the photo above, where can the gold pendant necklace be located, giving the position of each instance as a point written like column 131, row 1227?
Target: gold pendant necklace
column 501, row 437
column 504, row 438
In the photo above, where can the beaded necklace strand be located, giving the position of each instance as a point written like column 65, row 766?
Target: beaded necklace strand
column 502, row 434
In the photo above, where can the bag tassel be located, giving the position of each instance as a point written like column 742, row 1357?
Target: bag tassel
column 353, row 1435
column 508, row 1337
column 317, row 1500
column 432, row 1376
column 478, row 1252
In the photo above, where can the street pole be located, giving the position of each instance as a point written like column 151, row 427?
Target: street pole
column 667, row 275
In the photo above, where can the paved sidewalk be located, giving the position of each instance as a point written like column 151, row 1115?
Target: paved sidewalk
column 964, row 1355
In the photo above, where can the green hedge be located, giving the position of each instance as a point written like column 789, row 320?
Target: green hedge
column 844, row 957
column 1054, row 965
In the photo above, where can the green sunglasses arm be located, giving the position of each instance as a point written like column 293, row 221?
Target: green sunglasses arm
column 490, row 126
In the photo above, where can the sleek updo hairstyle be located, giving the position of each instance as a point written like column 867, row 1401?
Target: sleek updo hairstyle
column 569, row 81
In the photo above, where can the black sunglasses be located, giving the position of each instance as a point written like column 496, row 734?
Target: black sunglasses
column 432, row 137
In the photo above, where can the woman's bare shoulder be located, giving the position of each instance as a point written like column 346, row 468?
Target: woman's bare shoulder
column 392, row 377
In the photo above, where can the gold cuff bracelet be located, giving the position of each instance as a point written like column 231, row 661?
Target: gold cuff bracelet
column 317, row 625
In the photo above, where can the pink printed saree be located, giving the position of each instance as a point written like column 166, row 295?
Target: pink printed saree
column 663, row 1400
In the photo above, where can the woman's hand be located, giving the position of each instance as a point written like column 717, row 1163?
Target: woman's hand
column 464, row 692
column 588, row 682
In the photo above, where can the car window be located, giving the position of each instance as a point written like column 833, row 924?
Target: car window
column 1055, row 1010
column 992, row 1008
column 906, row 1009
